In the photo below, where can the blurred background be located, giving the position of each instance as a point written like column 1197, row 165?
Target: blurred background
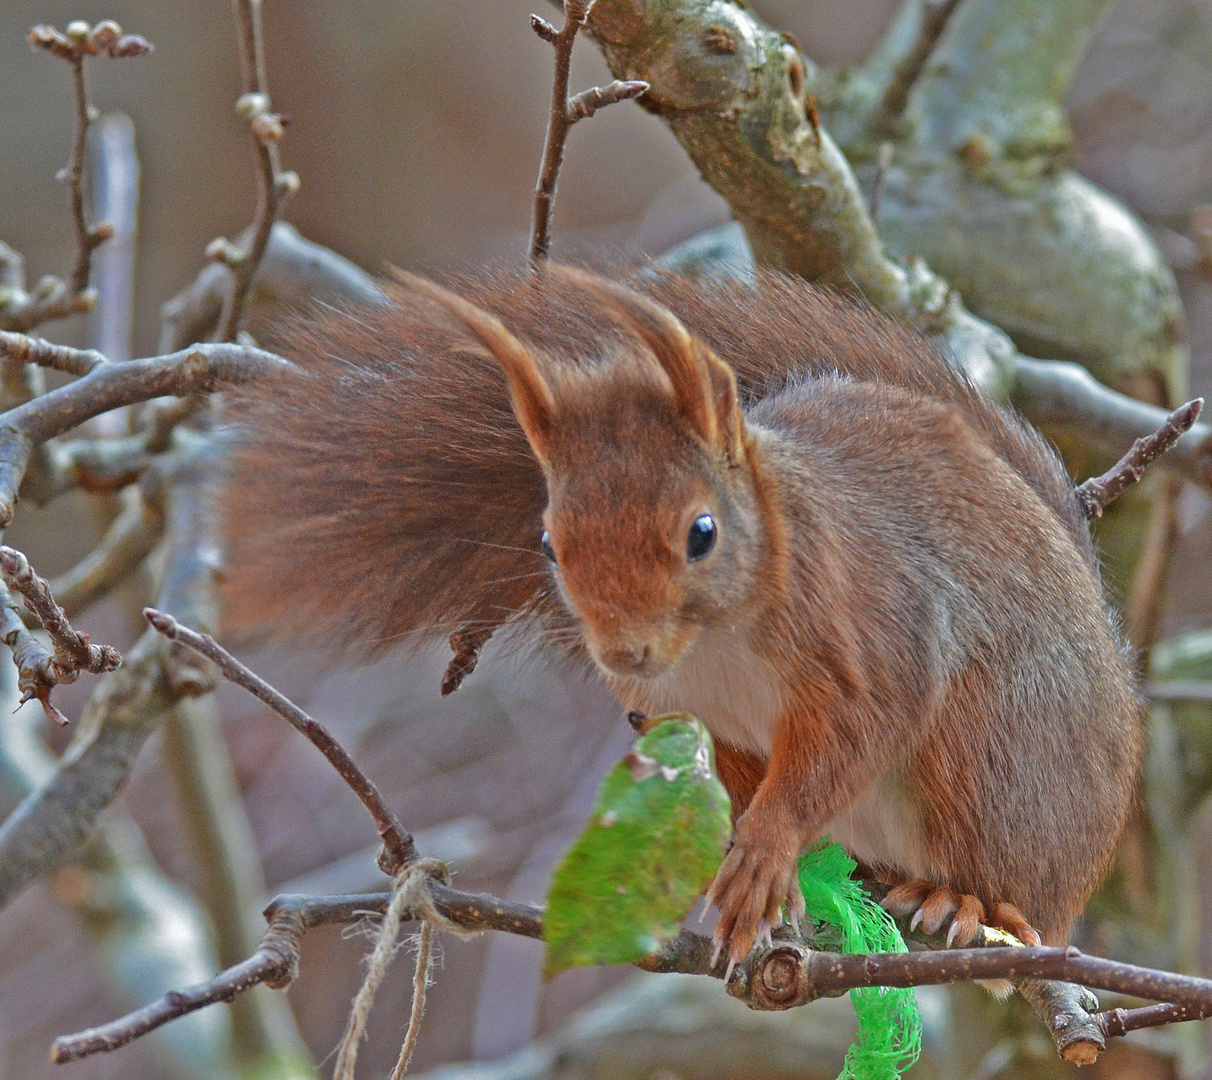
column 416, row 129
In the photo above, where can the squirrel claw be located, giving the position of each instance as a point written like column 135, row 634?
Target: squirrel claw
column 1007, row 917
column 930, row 908
column 753, row 882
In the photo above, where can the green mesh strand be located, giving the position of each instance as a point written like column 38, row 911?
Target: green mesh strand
column 889, row 1025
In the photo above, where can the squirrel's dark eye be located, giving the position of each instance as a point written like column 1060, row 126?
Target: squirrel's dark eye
column 545, row 544
column 701, row 539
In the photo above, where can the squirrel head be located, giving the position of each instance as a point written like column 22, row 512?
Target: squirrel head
column 654, row 522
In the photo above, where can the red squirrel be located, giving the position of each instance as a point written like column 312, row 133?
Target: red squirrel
column 772, row 509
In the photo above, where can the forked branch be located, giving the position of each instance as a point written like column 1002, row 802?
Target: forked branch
column 781, row 975
column 565, row 112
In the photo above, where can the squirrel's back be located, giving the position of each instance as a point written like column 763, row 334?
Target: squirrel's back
column 384, row 489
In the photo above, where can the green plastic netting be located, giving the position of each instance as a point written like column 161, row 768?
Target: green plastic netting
column 889, row 1024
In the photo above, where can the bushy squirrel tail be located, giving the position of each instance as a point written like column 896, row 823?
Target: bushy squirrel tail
column 381, row 490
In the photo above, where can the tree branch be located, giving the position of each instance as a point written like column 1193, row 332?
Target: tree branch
column 565, row 112
column 294, row 271
column 1053, row 393
column 397, row 842
column 785, row 975
column 1098, row 492
column 274, row 187
column 73, row 650
column 53, row 298
column 201, row 368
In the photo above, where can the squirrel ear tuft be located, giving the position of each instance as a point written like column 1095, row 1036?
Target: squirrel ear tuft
column 703, row 384
column 532, row 400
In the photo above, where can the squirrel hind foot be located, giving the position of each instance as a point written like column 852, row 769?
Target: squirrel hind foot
column 931, row 907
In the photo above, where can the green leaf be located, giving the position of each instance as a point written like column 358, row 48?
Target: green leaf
column 658, row 832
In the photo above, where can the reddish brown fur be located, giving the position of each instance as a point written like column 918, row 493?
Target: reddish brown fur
column 899, row 637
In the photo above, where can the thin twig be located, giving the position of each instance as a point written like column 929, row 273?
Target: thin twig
column 1064, row 395
column 35, row 662
column 397, row 842
column 275, row 963
column 55, row 299
column 565, row 112
column 1118, row 1022
column 883, row 161
column 1098, row 492
column 274, row 187
column 933, row 21
column 39, row 671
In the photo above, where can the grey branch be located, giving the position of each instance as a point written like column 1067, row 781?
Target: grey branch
column 73, row 650
column 126, row 543
column 294, row 271
column 199, row 369
column 35, row 662
column 1059, row 394
column 31, row 350
column 54, row 821
column 1098, row 492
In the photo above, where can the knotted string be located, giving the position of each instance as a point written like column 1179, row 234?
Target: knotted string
column 410, row 898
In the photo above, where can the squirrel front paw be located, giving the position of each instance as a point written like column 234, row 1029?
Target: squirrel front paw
column 753, row 883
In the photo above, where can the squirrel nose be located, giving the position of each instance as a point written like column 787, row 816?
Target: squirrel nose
column 628, row 659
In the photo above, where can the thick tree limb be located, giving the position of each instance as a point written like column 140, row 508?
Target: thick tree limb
column 199, row 369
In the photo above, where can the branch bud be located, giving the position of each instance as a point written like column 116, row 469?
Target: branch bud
column 222, row 250
column 268, row 127
column 48, row 38
column 130, row 45
column 250, row 105
column 543, row 28
column 286, row 185
column 105, row 34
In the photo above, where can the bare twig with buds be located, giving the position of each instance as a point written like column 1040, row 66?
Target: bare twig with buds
column 275, row 187
column 565, row 112
column 1100, row 491
column 53, row 298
